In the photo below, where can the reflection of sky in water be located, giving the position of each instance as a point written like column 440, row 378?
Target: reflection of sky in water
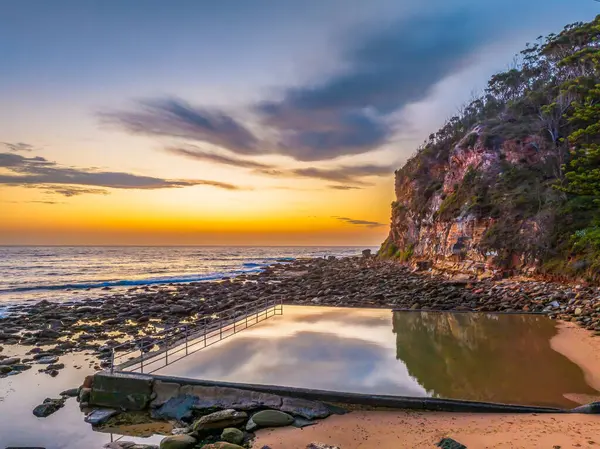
column 488, row 357
column 324, row 348
column 64, row 429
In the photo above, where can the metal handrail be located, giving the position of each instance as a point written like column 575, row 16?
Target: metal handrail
column 205, row 330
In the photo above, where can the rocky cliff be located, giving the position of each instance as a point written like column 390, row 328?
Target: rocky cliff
column 513, row 181
column 471, row 206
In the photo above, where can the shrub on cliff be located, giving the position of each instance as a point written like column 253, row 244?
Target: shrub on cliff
column 539, row 127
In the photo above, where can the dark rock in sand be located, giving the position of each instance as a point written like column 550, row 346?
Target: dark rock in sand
column 48, row 407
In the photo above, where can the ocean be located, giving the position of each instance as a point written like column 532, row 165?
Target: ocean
column 74, row 273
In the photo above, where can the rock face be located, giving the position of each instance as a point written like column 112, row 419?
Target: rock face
column 471, row 205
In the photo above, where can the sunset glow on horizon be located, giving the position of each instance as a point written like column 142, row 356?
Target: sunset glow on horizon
column 221, row 123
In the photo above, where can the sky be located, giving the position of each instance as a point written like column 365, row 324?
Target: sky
column 229, row 122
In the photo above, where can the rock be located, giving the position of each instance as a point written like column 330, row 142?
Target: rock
column 415, row 306
column 366, row 253
column 222, row 445
column 321, row 446
column 100, row 416
column 84, row 395
column 178, row 442
column 164, row 391
column 10, row 361
column 179, row 408
column 48, row 407
column 220, row 420
column 449, row 443
column 304, row 408
column 251, row 426
column 47, row 360
column 232, row 435
column 578, row 311
column 129, row 445
column 272, row 418
column 300, row 422
column 71, row 392
column 4, row 369
column 48, row 333
column 20, row 367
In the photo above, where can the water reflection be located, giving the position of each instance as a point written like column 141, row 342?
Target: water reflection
column 500, row 358
column 487, row 357
column 323, row 348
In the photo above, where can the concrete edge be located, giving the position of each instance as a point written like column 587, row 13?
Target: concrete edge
column 398, row 402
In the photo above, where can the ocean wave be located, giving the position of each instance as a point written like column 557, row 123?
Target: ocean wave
column 135, row 282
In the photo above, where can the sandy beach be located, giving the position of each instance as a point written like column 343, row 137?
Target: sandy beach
column 394, row 430
column 402, row 429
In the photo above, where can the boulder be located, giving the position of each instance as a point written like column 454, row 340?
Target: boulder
column 10, row 361
column 179, row 408
column 48, row 407
column 220, row 420
column 178, row 442
column 272, row 418
column 306, row 409
column 71, row 392
column 232, row 435
column 100, row 416
column 222, row 445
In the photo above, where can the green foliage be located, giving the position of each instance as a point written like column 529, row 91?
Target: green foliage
column 406, row 254
column 548, row 102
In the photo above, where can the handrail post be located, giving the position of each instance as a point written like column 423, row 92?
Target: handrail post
column 112, row 360
column 246, row 314
column 234, row 320
column 205, row 331
column 142, row 357
column 186, row 341
column 220, row 329
column 167, row 350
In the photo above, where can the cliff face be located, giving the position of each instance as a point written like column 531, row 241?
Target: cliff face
column 472, row 205
column 513, row 181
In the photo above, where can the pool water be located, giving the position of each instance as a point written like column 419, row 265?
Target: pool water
column 476, row 356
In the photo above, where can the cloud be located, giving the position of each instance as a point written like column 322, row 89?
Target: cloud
column 193, row 152
column 346, row 113
column 341, row 187
column 352, row 221
column 19, row 146
column 176, row 118
column 352, row 174
column 38, row 171
column 70, row 191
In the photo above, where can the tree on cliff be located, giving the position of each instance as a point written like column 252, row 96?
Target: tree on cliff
column 539, row 125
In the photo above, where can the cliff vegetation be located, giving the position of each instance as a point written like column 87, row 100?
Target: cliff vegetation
column 513, row 181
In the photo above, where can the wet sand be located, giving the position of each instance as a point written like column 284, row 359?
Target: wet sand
column 391, row 429
column 580, row 346
column 394, row 430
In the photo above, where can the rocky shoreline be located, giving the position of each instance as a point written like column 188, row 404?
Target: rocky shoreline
column 97, row 325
